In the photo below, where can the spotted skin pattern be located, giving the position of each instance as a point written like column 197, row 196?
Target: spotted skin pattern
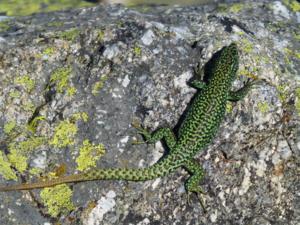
column 195, row 133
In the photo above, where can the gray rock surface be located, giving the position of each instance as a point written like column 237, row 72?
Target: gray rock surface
column 117, row 65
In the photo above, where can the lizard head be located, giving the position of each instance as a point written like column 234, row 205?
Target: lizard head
column 228, row 63
column 230, row 55
column 222, row 68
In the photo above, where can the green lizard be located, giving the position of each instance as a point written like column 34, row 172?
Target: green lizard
column 197, row 130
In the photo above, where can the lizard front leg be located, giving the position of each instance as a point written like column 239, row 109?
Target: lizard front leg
column 198, row 82
column 235, row 96
column 162, row 133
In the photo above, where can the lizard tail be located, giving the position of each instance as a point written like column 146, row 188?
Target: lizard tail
column 157, row 170
column 42, row 184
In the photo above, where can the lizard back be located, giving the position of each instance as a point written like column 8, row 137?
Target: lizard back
column 208, row 107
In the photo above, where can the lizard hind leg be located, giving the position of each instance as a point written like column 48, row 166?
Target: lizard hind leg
column 192, row 184
column 165, row 134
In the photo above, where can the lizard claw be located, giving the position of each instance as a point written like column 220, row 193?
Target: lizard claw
column 141, row 131
column 201, row 201
column 136, row 124
column 198, row 193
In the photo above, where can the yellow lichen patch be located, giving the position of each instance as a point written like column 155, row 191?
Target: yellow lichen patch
column 34, row 123
column 229, row 107
column 15, row 94
column 283, row 92
column 292, row 4
column 49, row 51
column 98, row 85
column 263, row 107
column 297, row 103
column 71, row 91
column 57, row 199
column 84, row 116
column 64, row 134
column 61, row 78
column 9, row 127
column 17, row 160
column 137, row 50
column 247, row 73
column 291, row 53
column 237, row 7
column 88, row 155
column 5, row 169
column 100, row 35
column 80, row 116
column 246, row 45
column 35, row 171
column 26, row 82
column 28, row 106
column 26, row 146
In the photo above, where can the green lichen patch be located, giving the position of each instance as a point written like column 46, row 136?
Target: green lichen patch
column 64, row 134
column 57, row 199
column 69, row 35
column 60, row 77
column 88, row 155
column 5, row 168
column 26, row 82
column 9, row 127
